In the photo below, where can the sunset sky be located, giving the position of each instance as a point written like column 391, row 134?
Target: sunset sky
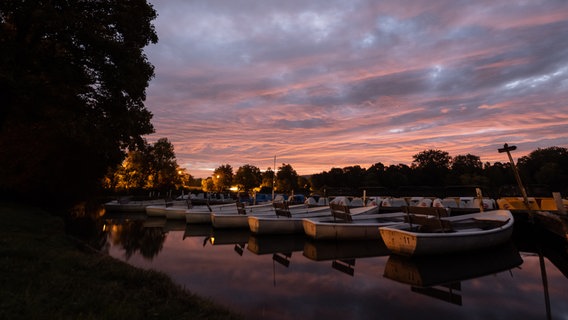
column 324, row 84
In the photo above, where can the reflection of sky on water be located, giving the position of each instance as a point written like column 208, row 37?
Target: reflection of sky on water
column 261, row 288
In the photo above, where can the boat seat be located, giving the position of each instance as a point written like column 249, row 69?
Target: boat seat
column 241, row 208
column 479, row 224
column 339, row 211
column 282, row 209
column 429, row 223
column 430, row 211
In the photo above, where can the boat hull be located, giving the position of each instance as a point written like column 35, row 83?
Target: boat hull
column 363, row 227
column 226, row 221
column 175, row 213
column 274, row 224
column 130, row 206
column 399, row 240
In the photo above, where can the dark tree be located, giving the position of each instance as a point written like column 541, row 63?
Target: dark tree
column 374, row 175
column 267, row 178
column 432, row 166
column 353, row 176
column 248, row 177
column 72, row 84
column 397, row 175
column 223, row 177
column 498, row 175
column 163, row 165
column 548, row 166
column 286, row 179
column 466, row 170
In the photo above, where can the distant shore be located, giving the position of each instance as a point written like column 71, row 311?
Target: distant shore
column 46, row 274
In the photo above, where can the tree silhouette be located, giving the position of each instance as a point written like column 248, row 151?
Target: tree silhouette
column 72, row 84
column 432, row 166
column 223, row 177
column 248, row 177
column 286, row 179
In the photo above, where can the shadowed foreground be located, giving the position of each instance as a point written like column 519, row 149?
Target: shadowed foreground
column 46, row 274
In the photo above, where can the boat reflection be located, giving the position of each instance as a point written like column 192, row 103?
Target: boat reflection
column 343, row 254
column 154, row 222
column 280, row 246
column 440, row 276
column 236, row 237
column 260, row 245
column 174, row 225
column 197, row 230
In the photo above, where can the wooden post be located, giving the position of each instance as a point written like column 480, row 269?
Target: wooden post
column 480, row 197
column 559, row 204
column 506, row 148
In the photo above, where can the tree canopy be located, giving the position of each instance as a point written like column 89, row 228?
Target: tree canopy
column 152, row 167
column 248, row 177
column 73, row 80
column 223, row 178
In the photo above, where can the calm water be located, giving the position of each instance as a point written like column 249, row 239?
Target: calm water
column 289, row 277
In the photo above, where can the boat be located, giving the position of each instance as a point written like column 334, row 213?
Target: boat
column 285, row 220
column 427, row 235
column 125, row 205
column 390, row 204
column 202, row 213
column 160, row 210
column 350, row 223
column 176, row 212
column 211, row 199
column 239, row 217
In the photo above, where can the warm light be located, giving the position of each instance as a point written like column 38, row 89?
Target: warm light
column 234, row 188
column 212, row 240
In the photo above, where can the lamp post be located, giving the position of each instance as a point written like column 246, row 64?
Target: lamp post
column 506, row 148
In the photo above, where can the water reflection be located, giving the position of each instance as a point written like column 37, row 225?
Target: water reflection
column 441, row 278
column 283, row 277
column 344, row 254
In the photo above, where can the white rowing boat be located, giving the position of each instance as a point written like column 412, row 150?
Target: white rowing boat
column 360, row 223
column 425, row 235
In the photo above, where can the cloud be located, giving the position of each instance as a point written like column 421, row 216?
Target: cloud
column 337, row 83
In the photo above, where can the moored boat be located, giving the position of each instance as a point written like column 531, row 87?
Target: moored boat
column 240, row 218
column 202, row 214
column 160, row 210
column 126, row 205
column 355, row 224
column 426, row 235
column 285, row 220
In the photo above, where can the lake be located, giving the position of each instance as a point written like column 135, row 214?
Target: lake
column 287, row 277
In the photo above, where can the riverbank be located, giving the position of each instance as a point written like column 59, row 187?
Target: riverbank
column 45, row 274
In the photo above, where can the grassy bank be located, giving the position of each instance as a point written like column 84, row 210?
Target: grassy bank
column 45, row 274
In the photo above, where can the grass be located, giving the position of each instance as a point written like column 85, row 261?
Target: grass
column 45, row 274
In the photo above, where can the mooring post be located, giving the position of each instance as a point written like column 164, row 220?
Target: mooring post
column 506, row 148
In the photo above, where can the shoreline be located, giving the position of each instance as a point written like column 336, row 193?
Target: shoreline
column 48, row 274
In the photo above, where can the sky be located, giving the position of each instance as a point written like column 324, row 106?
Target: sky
column 330, row 84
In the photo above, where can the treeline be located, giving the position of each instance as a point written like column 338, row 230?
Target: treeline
column 430, row 173
column 542, row 171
